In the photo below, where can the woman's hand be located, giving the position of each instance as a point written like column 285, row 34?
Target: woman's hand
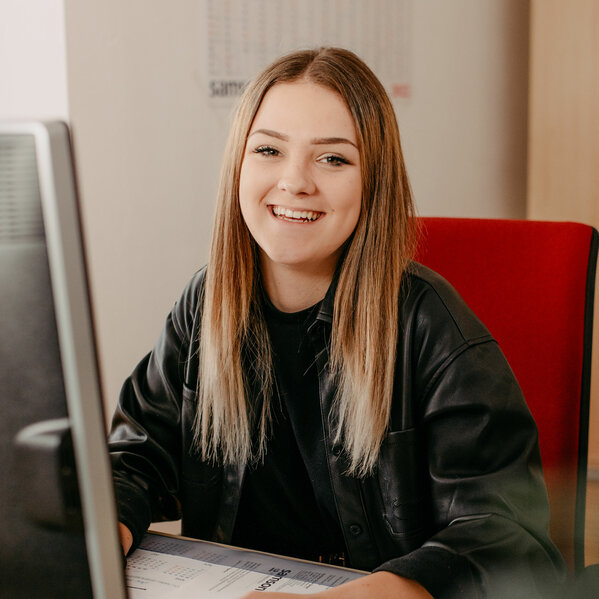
column 380, row 585
column 126, row 538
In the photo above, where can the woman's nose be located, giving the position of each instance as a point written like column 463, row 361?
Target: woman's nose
column 296, row 180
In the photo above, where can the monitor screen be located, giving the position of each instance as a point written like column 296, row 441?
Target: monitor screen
column 58, row 532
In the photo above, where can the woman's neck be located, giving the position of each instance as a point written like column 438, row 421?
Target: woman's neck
column 292, row 289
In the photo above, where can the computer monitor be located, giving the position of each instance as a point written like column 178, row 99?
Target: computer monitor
column 58, row 531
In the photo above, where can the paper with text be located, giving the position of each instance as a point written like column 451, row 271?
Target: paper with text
column 176, row 568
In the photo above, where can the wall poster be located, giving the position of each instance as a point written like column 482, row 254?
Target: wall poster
column 241, row 37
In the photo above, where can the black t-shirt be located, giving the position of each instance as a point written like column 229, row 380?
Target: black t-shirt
column 287, row 504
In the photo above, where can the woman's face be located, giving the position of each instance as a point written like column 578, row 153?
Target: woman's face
column 300, row 185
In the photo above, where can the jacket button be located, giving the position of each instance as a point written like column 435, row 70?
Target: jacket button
column 355, row 529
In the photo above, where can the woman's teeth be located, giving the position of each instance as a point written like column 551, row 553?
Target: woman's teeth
column 296, row 215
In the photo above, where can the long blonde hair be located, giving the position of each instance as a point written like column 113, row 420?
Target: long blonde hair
column 232, row 424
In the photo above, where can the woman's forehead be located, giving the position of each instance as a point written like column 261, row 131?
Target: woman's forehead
column 307, row 109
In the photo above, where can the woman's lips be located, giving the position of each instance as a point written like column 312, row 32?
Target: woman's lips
column 296, row 216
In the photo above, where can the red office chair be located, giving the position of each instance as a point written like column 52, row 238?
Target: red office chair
column 532, row 284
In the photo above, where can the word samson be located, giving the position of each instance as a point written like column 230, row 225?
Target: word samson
column 226, row 88
column 273, row 579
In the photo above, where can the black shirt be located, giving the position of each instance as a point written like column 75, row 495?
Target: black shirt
column 287, row 504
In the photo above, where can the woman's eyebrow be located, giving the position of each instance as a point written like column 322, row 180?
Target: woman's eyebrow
column 271, row 133
column 317, row 140
column 332, row 140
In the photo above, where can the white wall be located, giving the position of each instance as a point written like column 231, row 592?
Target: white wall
column 33, row 77
column 149, row 146
column 148, row 155
column 465, row 128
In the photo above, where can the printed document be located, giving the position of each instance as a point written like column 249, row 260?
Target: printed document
column 171, row 567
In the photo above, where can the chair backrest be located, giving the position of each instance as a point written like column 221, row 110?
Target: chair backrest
column 532, row 284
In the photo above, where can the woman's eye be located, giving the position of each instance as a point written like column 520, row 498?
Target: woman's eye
column 335, row 160
column 266, row 151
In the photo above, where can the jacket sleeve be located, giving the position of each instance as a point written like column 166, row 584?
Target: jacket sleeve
column 145, row 437
column 483, row 480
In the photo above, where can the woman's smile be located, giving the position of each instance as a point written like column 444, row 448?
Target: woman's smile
column 295, row 216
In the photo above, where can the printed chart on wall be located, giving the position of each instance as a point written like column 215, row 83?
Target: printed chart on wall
column 241, row 38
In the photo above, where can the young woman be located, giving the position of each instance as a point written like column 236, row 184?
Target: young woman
column 314, row 392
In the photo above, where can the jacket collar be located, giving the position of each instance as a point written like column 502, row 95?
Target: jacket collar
column 325, row 312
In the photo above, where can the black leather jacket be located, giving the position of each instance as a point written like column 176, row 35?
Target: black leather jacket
column 457, row 501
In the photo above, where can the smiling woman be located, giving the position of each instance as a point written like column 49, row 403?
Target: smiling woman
column 300, row 191
column 314, row 392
